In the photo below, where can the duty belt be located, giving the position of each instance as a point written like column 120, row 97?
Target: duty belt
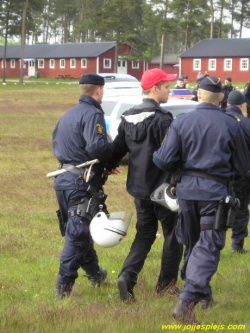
column 226, row 182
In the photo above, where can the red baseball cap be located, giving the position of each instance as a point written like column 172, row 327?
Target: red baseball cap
column 155, row 75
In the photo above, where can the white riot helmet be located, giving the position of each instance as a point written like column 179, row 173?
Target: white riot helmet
column 165, row 196
column 108, row 232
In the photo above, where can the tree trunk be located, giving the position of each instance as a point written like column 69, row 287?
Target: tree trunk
column 163, row 37
column 6, row 42
column 162, row 50
column 212, row 19
column 25, row 5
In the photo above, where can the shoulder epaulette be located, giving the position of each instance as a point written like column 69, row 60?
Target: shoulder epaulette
column 235, row 117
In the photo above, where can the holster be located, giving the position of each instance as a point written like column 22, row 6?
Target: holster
column 62, row 224
column 89, row 207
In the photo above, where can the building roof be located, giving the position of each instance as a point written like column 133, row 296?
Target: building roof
column 168, row 59
column 51, row 51
column 219, row 47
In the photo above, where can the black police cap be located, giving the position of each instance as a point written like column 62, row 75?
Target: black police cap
column 185, row 77
column 180, row 79
column 211, row 83
column 235, row 98
column 228, row 78
column 92, row 78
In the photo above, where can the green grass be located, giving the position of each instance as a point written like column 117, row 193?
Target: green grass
column 30, row 242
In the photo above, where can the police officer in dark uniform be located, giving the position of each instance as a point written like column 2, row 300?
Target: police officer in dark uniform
column 195, row 91
column 226, row 89
column 180, row 83
column 247, row 98
column 208, row 147
column 80, row 136
column 140, row 133
column 241, row 186
column 185, row 79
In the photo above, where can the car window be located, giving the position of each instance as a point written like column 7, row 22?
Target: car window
column 108, row 107
column 124, row 107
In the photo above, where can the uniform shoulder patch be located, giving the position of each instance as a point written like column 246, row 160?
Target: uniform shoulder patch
column 99, row 129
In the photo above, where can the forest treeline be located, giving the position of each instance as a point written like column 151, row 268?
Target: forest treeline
column 143, row 24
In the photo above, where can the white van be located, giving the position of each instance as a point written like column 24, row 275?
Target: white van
column 113, row 108
column 121, row 85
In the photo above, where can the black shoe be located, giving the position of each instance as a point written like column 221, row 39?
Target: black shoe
column 184, row 312
column 171, row 290
column 207, row 302
column 125, row 288
column 98, row 278
column 239, row 249
column 63, row 290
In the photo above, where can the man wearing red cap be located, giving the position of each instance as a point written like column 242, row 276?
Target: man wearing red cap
column 141, row 132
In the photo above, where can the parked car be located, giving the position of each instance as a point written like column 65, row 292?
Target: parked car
column 114, row 107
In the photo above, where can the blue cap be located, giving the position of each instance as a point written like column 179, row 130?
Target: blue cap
column 211, row 83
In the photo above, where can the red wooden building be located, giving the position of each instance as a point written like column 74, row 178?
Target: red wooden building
column 51, row 60
column 220, row 57
column 170, row 63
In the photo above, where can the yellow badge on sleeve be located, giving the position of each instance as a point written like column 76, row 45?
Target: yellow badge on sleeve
column 99, row 129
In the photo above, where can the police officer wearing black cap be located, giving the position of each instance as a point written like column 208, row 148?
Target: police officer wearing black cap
column 247, row 98
column 80, row 136
column 195, row 91
column 236, row 102
column 180, row 83
column 226, row 89
column 208, row 147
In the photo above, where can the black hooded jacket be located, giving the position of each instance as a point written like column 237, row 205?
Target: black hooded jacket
column 141, row 132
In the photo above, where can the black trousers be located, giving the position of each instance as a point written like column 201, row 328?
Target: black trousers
column 148, row 214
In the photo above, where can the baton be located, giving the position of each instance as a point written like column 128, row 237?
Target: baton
column 59, row 172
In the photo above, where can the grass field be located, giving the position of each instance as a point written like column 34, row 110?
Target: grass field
column 30, row 242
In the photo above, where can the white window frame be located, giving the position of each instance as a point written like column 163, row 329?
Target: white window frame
column 210, row 64
column 197, row 65
column 52, row 65
column 73, row 65
column 247, row 64
column 62, row 66
column 109, row 63
column 84, row 63
column 14, row 63
column 40, row 65
column 24, row 64
column 226, row 61
column 135, row 64
column 3, row 63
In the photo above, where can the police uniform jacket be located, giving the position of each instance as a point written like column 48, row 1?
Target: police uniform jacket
column 245, row 124
column 140, row 133
column 205, row 140
column 247, row 93
column 226, row 91
column 80, row 136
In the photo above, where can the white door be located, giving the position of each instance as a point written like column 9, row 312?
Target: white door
column 122, row 66
column 32, row 69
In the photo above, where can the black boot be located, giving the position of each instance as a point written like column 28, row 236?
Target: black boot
column 207, row 302
column 63, row 290
column 238, row 248
column 126, row 287
column 167, row 288
column 98, row 278
column 184, row 312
